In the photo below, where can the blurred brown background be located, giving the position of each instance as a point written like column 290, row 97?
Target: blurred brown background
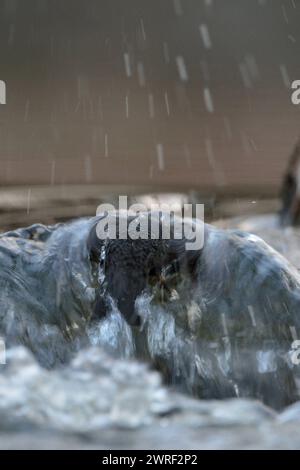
column 161, row 93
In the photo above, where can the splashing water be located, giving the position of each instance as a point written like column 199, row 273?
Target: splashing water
column 113, row 334
column 199, row 339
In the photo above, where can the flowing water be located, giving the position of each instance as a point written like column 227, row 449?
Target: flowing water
column 89, row 390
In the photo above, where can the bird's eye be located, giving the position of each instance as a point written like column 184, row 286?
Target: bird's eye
column 152, row 272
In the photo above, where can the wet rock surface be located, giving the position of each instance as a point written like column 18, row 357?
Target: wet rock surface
column 103, row 403
column 285, row 240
